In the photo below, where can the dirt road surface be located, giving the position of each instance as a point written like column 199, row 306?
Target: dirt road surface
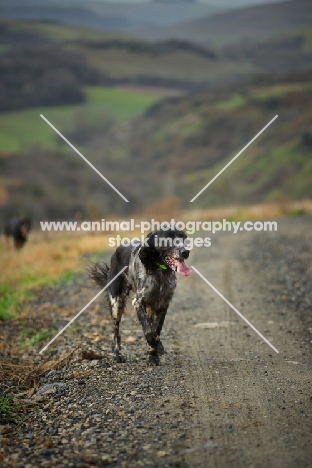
column 221, row 397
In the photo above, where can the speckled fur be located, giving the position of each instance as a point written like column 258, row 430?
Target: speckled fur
column 153, row 287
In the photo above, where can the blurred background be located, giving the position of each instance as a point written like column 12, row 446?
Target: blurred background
column 158, row 95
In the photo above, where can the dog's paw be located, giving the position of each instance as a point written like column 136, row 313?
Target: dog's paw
column 119, row 358
column 153, row 359
column 160, row 348
column 151, row 338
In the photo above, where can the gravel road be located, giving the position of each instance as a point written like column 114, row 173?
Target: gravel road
column 221, row 397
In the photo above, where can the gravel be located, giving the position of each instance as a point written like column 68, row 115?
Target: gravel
column 210, row 401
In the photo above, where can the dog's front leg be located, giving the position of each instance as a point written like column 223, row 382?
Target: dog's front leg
column 149, row 333
column 160, row 318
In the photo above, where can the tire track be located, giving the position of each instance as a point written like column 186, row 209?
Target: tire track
column 236, row 380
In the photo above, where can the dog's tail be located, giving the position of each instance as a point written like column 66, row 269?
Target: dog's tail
column 98, row 272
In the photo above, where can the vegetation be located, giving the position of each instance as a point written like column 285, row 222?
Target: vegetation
column 7, row 406
column 86, row 57
column 21, row 130
column 45, row 261
column 170, row 147
column 33, row 339
column 186, row 142
column 7, row 302
column 47, row 76
column 109, row 16
column 249, row 25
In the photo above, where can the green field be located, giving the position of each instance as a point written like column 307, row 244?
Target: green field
column 21, row 129
column 56, row 32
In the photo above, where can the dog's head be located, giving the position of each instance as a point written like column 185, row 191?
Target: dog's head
column 165, row 249
column 24, row 227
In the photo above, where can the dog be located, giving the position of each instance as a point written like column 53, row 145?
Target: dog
column 151, row 276
column 18, row 229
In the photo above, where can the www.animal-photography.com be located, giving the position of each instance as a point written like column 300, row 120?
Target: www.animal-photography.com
column 155, row 233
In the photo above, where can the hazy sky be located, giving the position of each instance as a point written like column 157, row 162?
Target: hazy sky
column 235, row 3
column 221, row 3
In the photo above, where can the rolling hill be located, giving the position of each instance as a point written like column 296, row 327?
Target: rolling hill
column 174, row 149
column 37, row 57
column 149, row 148
column 251, row 25
column 179, row 145
column 110, row 16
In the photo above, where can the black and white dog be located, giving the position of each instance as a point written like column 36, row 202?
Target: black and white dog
column 150, row 274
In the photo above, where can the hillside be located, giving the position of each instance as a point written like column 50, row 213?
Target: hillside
column 40, row 55
column 179, row 145
column 250, row 24
column 174, row 150
column 148, row 147
column 109, row 16
column 35, row 51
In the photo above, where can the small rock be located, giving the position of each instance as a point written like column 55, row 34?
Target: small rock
column 161, row 454
column 130, row 339
column 93, row 458
column 49, row 388
column 6, row 430
column 106, row 458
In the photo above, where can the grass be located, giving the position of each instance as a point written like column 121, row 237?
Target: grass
column 281, row 90
column 182, row 65
column 10, row 298
column 56, row 32
column 306, row 33
column 43, row 261
column 120, row 104
column 7, row 406
column 41, row 335
column 232, row 103
column 22, row 129
column 261, row 211
column 7, row 302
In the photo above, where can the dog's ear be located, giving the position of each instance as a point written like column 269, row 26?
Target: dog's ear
column 149, row 255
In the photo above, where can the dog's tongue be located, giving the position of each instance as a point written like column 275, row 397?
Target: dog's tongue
column 183, row 269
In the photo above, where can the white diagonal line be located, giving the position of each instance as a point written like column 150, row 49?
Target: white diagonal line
column 235, row 157
column 82, row 310
column 83, row 157
column 234, row 308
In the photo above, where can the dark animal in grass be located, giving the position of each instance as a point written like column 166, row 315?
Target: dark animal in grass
column 151, row 276
column 18, row 229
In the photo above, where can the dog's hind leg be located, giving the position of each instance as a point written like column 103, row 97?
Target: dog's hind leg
column 117, row 306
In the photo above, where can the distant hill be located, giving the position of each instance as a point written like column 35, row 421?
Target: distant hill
column 180, row 144
column 116, row 17
column 176, row 146
column 245, row 25
column 33, row 52
column 174, row 149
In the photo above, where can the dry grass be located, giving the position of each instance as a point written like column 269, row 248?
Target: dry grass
column 29, row 375
column 46, row 257
column 261, row 211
